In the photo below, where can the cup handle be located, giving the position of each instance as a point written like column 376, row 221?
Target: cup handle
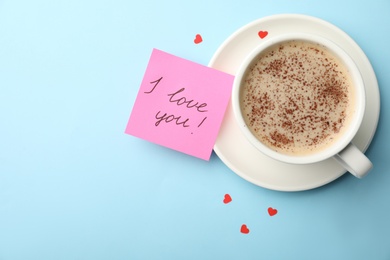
column 353, row 160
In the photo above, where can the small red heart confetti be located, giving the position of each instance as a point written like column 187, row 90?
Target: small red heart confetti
column 272, row 212
column 262, row 34
column 227, row 199
column 244, row 229
column 198, row 39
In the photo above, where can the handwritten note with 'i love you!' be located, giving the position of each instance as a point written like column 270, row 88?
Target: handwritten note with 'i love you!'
column 180, row 104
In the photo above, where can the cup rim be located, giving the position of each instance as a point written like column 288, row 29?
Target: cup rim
column 359, row 102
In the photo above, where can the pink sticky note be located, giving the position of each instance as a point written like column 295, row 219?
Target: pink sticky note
column 180, row 104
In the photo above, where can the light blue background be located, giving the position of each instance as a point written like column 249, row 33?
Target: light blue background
column 74, row 186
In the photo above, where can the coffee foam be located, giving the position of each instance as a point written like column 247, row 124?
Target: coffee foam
column 297, row 98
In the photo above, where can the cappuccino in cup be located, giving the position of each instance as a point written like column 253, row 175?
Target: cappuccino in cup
column 300, row 98
column 297, row 97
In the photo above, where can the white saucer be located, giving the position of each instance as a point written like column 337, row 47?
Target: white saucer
column 246, row 161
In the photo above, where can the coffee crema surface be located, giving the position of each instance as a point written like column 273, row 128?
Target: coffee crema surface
column 297, row 98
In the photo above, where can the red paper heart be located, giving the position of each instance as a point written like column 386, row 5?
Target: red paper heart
column 262, row 34
column 272, row 212
column 244, row 229
column 227, row 199
column 198, row 39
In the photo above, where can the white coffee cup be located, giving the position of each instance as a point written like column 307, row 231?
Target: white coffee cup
column 343, row 150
